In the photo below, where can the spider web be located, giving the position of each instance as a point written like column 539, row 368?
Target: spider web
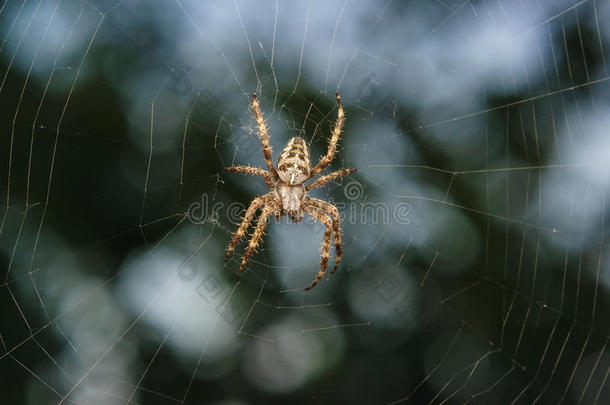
column 475, row 264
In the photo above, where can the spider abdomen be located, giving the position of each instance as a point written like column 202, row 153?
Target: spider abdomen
column 293, row 165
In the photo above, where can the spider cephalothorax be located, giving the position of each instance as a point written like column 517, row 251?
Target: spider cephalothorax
column 288, row 195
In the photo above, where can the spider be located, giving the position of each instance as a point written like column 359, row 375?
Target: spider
column 288, row 195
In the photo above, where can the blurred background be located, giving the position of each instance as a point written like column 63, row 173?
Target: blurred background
column 476, row 258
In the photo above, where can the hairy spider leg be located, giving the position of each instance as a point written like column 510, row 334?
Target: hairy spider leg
column 332, row 146
column 334, row 212
column 255, row 171
column 325, row 179
column 256, row 236
column 325, row 219
column 263, row 135
column 245, row 223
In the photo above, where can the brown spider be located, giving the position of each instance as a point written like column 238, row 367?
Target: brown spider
column 288, row 194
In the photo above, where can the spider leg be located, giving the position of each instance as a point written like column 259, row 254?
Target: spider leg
column 325, row 179
column 258, row 233
column 323, row 218
column 243, row 227
column 264, row 135
column 255, row 171
column 334, row 212
column 332, row 146
column 298, row 217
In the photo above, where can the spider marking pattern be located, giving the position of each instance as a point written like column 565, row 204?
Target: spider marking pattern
column 288, row 193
